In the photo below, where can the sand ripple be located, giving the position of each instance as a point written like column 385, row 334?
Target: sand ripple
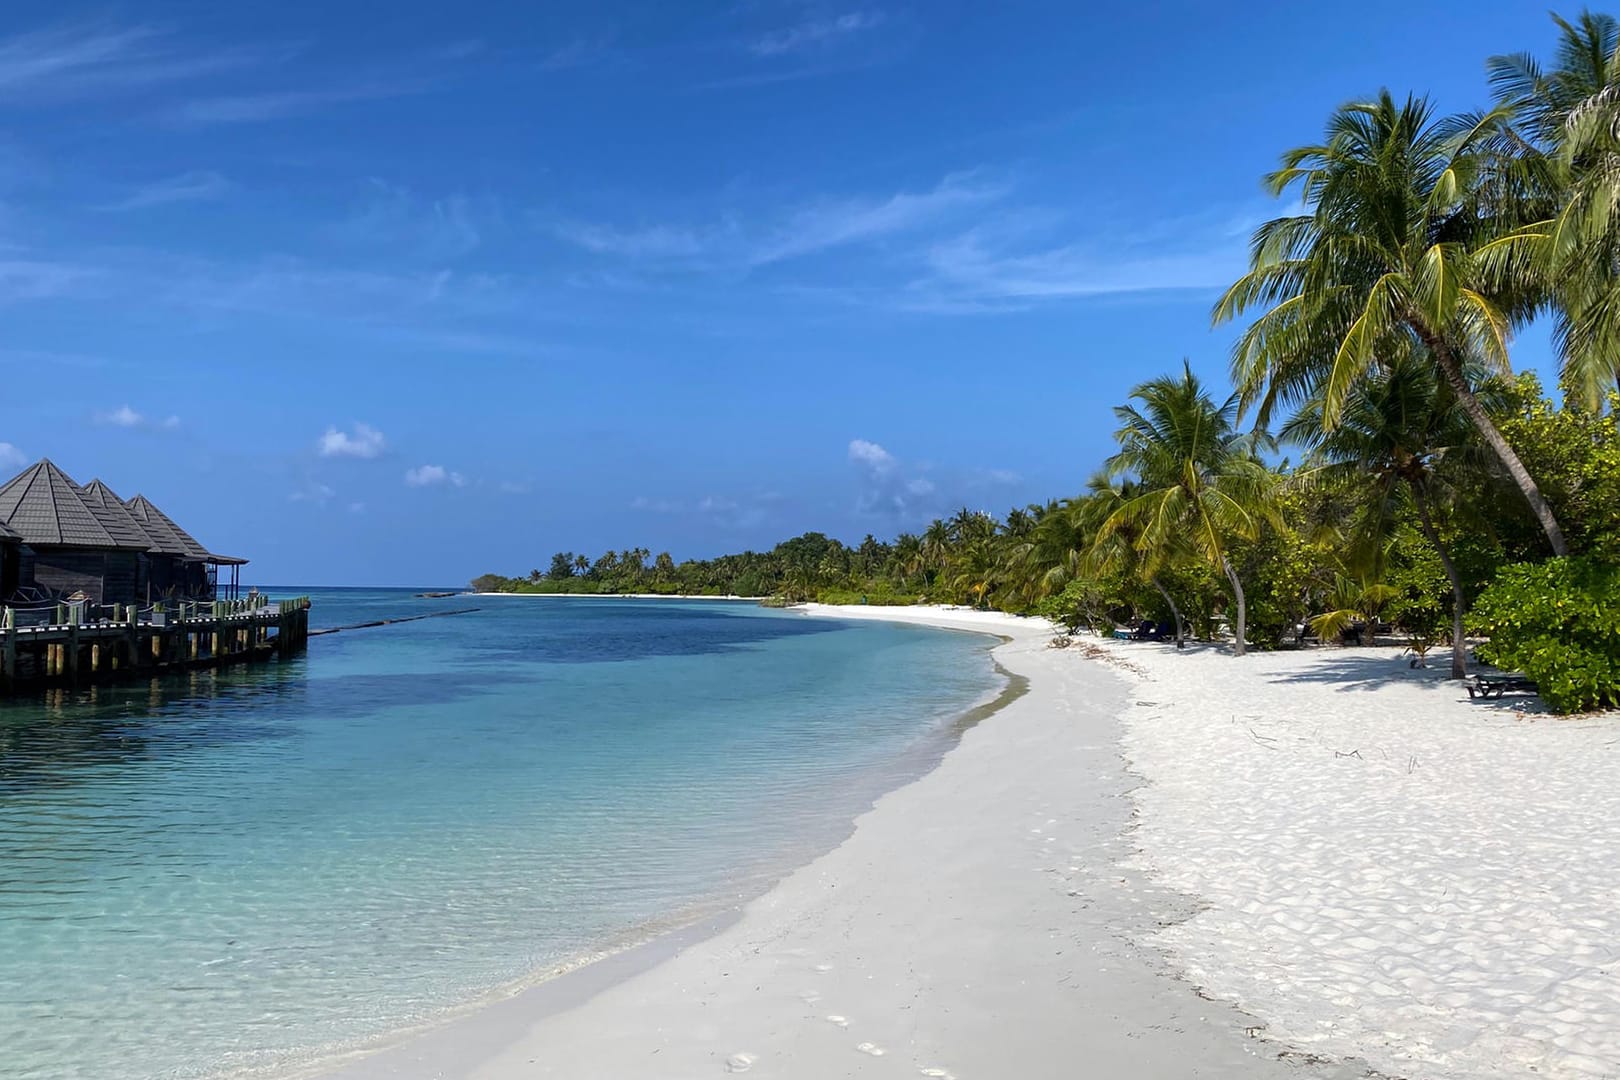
column 1390, row 872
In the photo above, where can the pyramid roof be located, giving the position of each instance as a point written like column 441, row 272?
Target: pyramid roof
column 167, row 537
column 42, row 505
column 115, row 517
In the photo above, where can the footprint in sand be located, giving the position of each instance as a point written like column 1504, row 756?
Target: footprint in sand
column 939, row 1074
column 739, row 1063
column 840, row 1021
column 823, row 968
column 870, row 1048
column 809, row 997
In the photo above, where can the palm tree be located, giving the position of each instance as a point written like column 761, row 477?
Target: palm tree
column 936, row 548
column 1385, row 259
column 908, row 555
column 1201, row 481
column 1566, row 261
column 1396, row 430
column 1116, row 548
column 1351, row 598
column 1046, row 555
column 1588, row 63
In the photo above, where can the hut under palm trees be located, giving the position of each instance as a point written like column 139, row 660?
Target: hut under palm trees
column 60, row 541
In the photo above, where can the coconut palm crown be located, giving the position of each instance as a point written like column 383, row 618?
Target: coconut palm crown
column 1383, row 261
column 1200, row 480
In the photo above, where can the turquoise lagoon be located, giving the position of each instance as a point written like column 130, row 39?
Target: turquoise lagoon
column 255, row 868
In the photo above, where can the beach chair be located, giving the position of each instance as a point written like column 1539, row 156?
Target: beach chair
column 1492, row 687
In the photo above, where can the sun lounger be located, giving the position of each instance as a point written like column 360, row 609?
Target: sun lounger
column 1482, row 687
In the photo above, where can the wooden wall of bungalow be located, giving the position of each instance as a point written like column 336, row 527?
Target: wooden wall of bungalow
column 106, row 576
column 10, row 567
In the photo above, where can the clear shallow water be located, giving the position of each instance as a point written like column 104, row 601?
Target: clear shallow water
column 254, row 867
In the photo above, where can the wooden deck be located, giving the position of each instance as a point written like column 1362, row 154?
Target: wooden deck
column 134, row 644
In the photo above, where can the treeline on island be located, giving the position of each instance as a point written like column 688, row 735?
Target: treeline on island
column 1377, row 460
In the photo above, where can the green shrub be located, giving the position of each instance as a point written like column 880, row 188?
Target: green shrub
column 1559, row 622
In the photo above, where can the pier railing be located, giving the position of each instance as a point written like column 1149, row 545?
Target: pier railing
column 71, row 642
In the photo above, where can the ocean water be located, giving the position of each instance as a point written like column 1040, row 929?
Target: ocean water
column 251, row 869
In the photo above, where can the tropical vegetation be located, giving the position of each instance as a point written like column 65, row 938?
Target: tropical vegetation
column 1379, row 463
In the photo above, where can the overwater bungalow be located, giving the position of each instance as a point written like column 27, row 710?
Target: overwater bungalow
column 60, row 541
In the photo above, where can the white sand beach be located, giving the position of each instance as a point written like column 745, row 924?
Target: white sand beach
column 1386, row 868
column 1335, row 865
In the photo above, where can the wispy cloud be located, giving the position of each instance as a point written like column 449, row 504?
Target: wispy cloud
column 578, row 53
column 977, row 269
column 433, row 476
column 261, row 108
column 313, row 492
column 394, row 217
column 33, row 279
column 839, row 222
column 364, row 441
column 886, row 489
column 184, row 187
column 818, row 33
column 648, row 242
column 80, row 60
column 11, row 457
column 808, row 229
column 126, row 417
column 743, row 512
column 907, row 492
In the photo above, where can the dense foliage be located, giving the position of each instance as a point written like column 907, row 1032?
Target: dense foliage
column 1378, row 349
column 1558, row 622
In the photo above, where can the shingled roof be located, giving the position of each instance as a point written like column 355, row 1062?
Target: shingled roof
column 167, row 537
column 115, row 517
column 6, row 532
column 42, row 505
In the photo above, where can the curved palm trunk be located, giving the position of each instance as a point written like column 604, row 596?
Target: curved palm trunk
column 1441, row 351
column 1240, row 645
column 1175, row 612
column 1459, row 657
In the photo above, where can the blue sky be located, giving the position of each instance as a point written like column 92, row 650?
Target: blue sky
column 404, row 299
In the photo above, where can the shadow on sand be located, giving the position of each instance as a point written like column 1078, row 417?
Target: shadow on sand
column 1351, row 668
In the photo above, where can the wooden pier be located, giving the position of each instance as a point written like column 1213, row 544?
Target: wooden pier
column 63, row 648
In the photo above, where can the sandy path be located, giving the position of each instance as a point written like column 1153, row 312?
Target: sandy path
column 973, row 926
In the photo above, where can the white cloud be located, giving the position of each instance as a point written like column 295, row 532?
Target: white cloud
column 123, row 416
column 993, row 267
column 364, row 441
column 911, row 492
column 839, row 222
column 31, row 279
column 11, row 457
column 870, row 454
column 514, row 487
column 357, row 508
column 79, row 60
column 430, row 475
column 186, row 187
column 811, row 228
column 650, row 242
column 815, row 33
column 260, row 108
column 316, row 493
column 395, row 218
column 126, row 417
